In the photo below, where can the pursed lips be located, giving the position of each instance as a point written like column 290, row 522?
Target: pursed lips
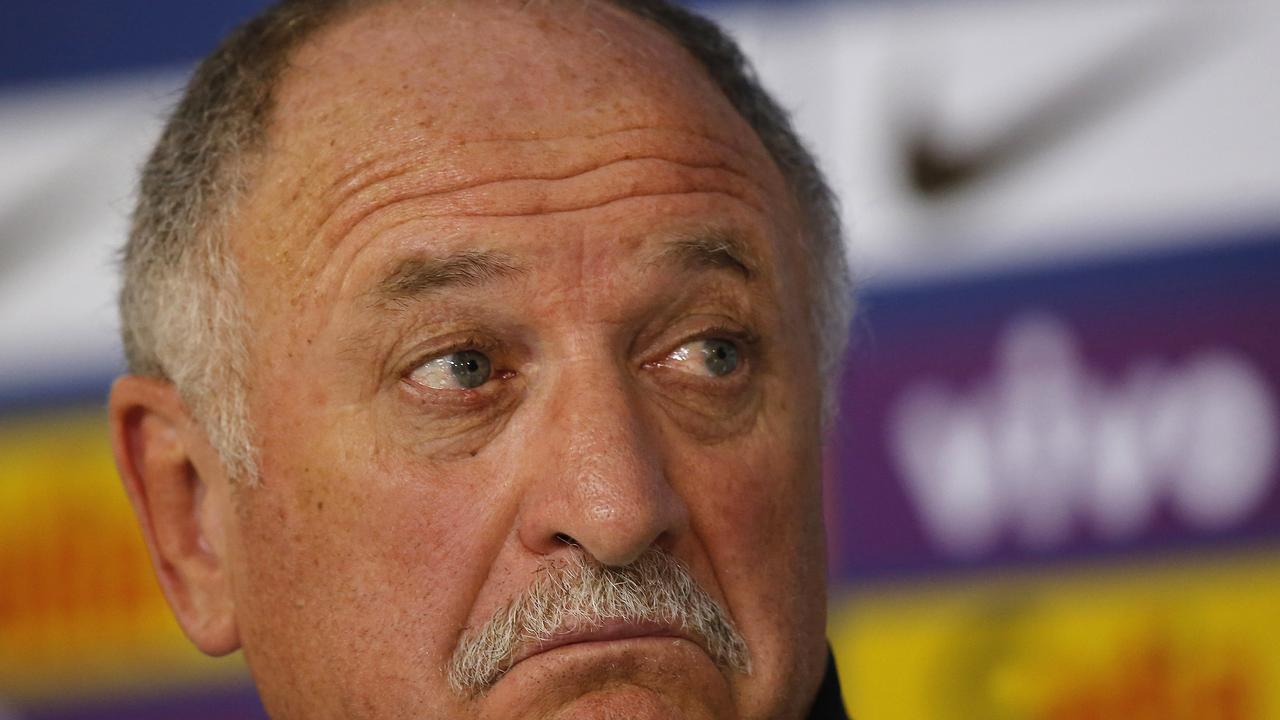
column 610, row 630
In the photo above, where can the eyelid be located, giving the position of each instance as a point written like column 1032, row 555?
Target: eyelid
column 499, row 358
column 443, row 367
column 745, row 339
column 458, row 344
column 742, row 336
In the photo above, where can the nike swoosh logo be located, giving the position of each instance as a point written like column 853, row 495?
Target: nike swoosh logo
column 936, row 169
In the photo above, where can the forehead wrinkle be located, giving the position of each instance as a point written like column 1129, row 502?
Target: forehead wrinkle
column 370, row 184
column 369, row 169
column 409, row 191
column 539, row 208
column 601, row 203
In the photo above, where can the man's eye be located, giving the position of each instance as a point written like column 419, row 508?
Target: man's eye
column 463, row 370
column 713, row 357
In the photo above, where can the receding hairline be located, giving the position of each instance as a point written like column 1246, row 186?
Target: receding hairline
column 334, row 15
column 351, row 168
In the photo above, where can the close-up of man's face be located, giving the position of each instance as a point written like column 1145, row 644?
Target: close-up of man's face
column 533, row 387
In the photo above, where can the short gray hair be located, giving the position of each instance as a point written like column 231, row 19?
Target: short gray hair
column 181, row 305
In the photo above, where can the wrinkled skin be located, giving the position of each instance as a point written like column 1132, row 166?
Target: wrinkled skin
column 575, row 143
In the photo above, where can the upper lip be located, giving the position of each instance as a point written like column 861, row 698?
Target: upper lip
column 599, row 632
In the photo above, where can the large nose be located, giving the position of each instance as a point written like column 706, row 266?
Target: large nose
column 595, row 474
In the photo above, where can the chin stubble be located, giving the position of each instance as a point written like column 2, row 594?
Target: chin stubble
column 577, row 593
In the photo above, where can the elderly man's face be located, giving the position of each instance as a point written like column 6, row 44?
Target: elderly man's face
column 523, row 290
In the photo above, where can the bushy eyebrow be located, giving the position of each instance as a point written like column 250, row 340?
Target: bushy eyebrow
column 415, row 277
column 711, row 249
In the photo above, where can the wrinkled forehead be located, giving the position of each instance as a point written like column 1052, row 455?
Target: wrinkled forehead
column 469, row 92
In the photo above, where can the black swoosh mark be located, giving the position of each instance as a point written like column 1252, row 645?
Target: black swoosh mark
column 934, row 170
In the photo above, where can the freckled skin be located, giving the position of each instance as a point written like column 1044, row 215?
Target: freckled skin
column 568, row 136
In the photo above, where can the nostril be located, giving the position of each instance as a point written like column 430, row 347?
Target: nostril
column 562, row 538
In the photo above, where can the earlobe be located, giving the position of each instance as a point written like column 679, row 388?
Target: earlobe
column 182, row 500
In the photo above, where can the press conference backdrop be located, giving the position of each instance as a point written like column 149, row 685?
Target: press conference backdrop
column 1052, row 489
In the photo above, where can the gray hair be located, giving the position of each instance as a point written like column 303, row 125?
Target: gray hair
column 181, row 306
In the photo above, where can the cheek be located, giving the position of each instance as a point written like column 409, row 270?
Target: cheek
column 402, row 533
column 763, row 489
column 360, row 565
column 755, row 507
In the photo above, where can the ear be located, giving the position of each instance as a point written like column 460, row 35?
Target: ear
column 181, row 496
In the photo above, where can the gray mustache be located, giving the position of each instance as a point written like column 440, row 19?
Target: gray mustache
column 578, row 593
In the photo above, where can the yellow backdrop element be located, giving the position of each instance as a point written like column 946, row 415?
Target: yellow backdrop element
column 80, row 609
column 1198, row 638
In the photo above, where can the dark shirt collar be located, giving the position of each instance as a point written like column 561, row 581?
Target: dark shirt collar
column 829, row 705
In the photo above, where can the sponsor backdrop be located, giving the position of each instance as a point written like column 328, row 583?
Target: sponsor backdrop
column 1054, row 487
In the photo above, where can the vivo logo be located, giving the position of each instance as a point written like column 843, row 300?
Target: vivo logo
column 1047, row 446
